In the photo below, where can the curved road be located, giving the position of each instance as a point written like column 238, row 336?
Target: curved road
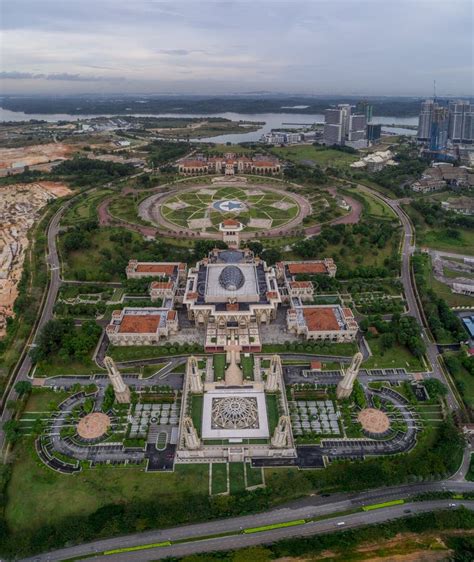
column 309, row 507
column 53, row 264
column 408, row 247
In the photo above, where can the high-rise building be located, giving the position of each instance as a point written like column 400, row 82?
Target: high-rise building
column 374, row 132
column 439, row 128
column 340, row 126
column 424, row 121
column 468, row 128
column 365, row 108
column 458, row 114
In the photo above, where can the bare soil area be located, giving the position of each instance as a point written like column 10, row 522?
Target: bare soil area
column 35, row 154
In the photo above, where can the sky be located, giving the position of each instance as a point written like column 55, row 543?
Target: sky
column 359, row 47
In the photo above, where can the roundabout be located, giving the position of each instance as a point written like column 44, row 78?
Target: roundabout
column 260, row 207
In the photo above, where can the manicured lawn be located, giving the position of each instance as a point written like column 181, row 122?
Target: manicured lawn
column 440, row 240
column 56, row 366
column 254, row 475
column 343, row 349
column 38, row 496
column 219, row 365
column 85, row 208
column 272, row 412
column 397, row 356
column 219, row 478
column 41, row 399
column 236, row 477
column 247, row 365
column 196, row 411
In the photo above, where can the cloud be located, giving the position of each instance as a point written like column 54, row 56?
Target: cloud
column 63, row 76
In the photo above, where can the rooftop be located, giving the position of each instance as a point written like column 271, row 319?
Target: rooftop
column 163, row 268
column 321, row 319
column 313, row 267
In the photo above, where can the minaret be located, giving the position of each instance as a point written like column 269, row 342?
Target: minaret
column 191, row 439
column 344, row 388
column 195, row 382
column 281, row 435
column 273, row 376
column 122, row 392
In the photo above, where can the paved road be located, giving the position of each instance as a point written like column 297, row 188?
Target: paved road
column 308, row 507
column 408, row 247
column 53, row 264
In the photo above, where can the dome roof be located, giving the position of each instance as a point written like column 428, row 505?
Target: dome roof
column 231, row 278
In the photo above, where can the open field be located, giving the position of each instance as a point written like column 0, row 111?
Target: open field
column 376, row 207
column 34, row 154
column 396, row 356
column 85, row 208
column 61, row 496
column 324, row 157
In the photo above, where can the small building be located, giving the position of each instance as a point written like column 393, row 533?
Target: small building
column 323, row 322
column 141, row 326
column 231, row 229
column 168, row 270
column 230, row 164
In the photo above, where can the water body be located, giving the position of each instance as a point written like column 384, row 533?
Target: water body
column 272, row 121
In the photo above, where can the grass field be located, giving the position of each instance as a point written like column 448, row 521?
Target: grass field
column 236, row 477
column 219, row 364
column 464, row 382
column 197, row 401
column 43, row 399
column 254, row 475
column 60, row 496
column 324, row 157
column 397, row 356
column 56, row 366
column 376, row 207
column 219, row 478
column 272, row 411
column 198, row 205
column 136, row 352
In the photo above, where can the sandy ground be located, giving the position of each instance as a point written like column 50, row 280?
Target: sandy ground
column 20, row 205
column 35, row 154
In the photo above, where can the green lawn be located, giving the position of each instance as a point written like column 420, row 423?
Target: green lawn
column 60, row 496
column 219, row 478
column 236, row 477
column 254, row 475
column 343, row 349
column 197, row 401
column 376, row 207
column 247, row 365
column 397, row 356
column 41, row 399
column 219, row 363
column 464, row 381
column 85, row 208
column 56, row 366
column 440, row 240
column 324, row 157
column 272, row 412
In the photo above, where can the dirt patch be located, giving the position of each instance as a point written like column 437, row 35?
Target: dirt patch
column 35, row 154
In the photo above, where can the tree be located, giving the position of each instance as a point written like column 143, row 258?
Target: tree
column 23, row 387
column 435, row 388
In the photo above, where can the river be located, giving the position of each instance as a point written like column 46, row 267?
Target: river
column 272, row 121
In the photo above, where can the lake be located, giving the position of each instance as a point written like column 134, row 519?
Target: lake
column 272, row 121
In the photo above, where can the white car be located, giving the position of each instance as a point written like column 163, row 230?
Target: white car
column 340, row 523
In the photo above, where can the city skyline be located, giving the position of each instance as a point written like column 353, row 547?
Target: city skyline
column 322, row 48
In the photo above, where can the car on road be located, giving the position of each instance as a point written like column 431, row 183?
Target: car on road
column 340, row 523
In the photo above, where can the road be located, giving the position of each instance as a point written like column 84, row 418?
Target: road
column 53, row 264
column 408, row 247
column 309, row 507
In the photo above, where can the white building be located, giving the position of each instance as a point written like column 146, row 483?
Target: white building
column 141, row 326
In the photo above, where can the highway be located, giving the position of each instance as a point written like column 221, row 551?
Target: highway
column 335, row 507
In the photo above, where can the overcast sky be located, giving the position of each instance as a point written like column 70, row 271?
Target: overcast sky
column 299, row 46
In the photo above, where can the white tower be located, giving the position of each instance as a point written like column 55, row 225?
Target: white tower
column 195, row 382
column 274, row 374
column 281, row 435
column 122, row 392
column 344, row 388
column 191, row 439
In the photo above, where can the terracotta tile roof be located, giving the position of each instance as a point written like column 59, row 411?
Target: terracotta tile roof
column 157, row 268
column 316, row 365
column 320, row 319
column 194, row 163
column 307, row 267
column 136, row 324
column 230, row 222
column 192, row 295
column 272, row 294
column 348, row 313
column 232, row 306
column 265, row 164
column 171, row 314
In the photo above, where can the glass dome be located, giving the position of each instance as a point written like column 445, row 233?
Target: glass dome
column 231, row 278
